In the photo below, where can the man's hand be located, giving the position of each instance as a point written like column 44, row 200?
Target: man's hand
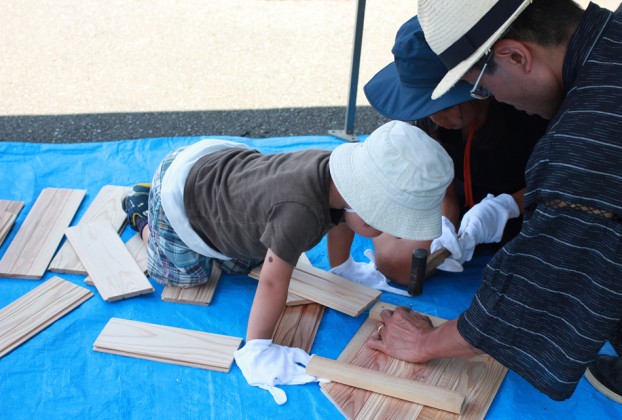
column 402, row 335
column 265, row 365
column 485, row 222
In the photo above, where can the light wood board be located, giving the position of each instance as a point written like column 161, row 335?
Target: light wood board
column 385, row 384
column 108, row 262
column 105, row 207
column 298, row 325
column 167, row 344
column 36, row 310
column 138, row 251
column 34, row 245
column 199, row 295
column 329, row 289
column 9, row 210
column 478, row 378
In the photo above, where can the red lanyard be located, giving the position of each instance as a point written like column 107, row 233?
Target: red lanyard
column 468, row 185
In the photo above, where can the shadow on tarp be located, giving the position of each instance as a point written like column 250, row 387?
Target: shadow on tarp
column 255, row 123
column 57, row 375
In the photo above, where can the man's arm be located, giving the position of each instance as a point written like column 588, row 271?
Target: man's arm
column 270, row 297
column 410, row 336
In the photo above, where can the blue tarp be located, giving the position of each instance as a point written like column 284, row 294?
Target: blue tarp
column 57, row 375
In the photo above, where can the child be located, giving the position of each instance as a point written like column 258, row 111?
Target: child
column 220, row 201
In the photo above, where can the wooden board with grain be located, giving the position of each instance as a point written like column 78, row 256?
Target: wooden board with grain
column 108, row 262
column 386, row 384
column 138, row 251
column 167, row 344
column 34, row 244
column 36, row 310
column 9, row 210
column 106, row 206
column 198, row 295
column 478, row 378
column 329, row 289
column 298, row 325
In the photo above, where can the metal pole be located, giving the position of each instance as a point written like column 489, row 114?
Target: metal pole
column 348, row 133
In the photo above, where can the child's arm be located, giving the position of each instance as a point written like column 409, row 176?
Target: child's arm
column 270, row 297
column 262, row 363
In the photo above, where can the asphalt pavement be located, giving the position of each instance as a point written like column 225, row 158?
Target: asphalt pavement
column 102, row 70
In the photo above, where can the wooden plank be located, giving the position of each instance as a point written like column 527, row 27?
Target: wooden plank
column 386, row 384
column 199, row 295
column 298, row 325
column 36, row 241
column 11, row 206
column 138, row 251
column 9, row 210
column 477, row 377
column 329, row 289
column 105, row 207
column 167, row 344
column 109, row 263
column 36, row 310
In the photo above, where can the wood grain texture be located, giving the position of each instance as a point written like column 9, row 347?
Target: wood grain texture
column 199, row 295
column 36, row 241
column 298, row 325
column 138, row 251
column 105, row 207
column 478, row 378
column 9, row 210
column 108, row 261
column 167, row 344
column 36, row 310
column 329, row 289
column 385, row 384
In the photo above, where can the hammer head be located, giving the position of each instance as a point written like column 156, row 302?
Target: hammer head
column 417, row 272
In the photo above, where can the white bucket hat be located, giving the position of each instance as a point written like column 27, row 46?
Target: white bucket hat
column 461, row 32
column 395, row 180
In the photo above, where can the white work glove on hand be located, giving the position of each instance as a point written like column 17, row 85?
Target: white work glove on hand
column 265, row 365
column 366, row 274
column 449, row 241
column 485, row 222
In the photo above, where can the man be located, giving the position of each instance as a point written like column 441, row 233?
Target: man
column 552, row 296
column 495, row 138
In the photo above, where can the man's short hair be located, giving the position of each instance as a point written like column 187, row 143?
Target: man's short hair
column 548, row 23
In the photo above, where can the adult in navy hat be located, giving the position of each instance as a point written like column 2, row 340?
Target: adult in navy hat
column 489, row 143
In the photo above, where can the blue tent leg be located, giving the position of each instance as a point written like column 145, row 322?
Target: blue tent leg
column 348, row 133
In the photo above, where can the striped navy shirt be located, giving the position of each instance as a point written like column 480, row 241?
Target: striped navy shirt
column 551, row 297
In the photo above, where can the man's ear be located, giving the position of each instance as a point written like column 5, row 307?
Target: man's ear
column 513, row 53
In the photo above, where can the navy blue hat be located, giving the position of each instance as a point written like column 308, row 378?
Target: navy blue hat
column 403, row 89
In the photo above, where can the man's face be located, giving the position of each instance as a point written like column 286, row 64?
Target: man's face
column 535, row 92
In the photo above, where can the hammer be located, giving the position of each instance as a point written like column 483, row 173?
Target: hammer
column 423, row 266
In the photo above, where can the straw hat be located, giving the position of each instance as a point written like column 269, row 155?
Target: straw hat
column 402, row 90
column 461, row 32
column 395, row 180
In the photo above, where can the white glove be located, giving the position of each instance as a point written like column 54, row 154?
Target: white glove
column 485, row 222
column 366, row 274
column 265, row 365
column 449, row 241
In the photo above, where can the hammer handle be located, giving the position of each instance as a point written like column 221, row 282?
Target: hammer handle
column 435, row 259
